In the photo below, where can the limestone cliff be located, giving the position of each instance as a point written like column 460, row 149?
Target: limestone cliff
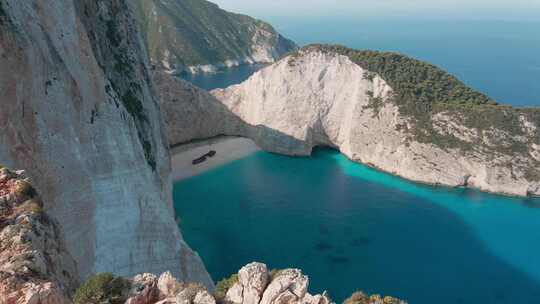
column 35, row 266
column 80, row 115
column 394, row 113
column 386, row 110
column 197, row 36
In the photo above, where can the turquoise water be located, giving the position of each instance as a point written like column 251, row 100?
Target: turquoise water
column 351, row 227
column 499, row 58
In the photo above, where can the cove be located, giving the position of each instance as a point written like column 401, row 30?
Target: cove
column 350, row 227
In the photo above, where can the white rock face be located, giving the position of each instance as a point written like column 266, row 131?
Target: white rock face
column 79, row 114
column 324, row 99
column 256, row 286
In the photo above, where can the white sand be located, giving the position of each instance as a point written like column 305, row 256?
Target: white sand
column 227, row 149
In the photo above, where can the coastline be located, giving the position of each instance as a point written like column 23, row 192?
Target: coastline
column 228, row 149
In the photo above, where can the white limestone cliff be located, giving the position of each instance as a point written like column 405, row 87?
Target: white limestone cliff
column 324, row 99
column 79, row 114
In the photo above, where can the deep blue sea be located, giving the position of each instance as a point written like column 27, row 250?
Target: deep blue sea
column 351, row 227
column 499, row 58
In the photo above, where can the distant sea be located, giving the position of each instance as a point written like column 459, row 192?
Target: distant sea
column 499, row 58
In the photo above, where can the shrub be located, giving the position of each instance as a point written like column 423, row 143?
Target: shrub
column 102, row 288
column 361, row 298
column 223, row 286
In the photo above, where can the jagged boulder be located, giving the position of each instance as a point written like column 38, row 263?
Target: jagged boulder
column 148, row 289
column 257, row 286
column 35, row 266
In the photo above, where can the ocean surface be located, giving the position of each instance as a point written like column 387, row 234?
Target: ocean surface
column 351, row 227
column 499, row 58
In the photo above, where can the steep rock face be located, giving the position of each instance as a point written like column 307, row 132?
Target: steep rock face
column 79, row 114
column 192, row 113
column 35, row 266
column 321, row 97
column 197, row 36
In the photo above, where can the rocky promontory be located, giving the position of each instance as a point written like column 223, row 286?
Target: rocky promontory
column 392, row 112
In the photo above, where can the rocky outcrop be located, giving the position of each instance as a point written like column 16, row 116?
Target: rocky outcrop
column 149, row 289
column 254, row 285
column 320, row 97
column 257, row 286
column 196, row 36
column 80, row 114
column 35, row 266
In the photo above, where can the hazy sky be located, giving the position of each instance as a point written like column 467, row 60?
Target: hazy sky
column 481, row 9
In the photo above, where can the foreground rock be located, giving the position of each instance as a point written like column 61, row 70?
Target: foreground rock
column 439, row 132
column 79, row 113
column 253, row 284
column 35, row 266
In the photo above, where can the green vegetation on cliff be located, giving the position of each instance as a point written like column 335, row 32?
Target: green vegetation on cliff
column 102, row 288
column 195, row 32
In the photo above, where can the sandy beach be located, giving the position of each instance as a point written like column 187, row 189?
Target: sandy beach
column 227, row 149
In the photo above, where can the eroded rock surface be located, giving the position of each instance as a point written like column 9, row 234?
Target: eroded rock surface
column 35, row 267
